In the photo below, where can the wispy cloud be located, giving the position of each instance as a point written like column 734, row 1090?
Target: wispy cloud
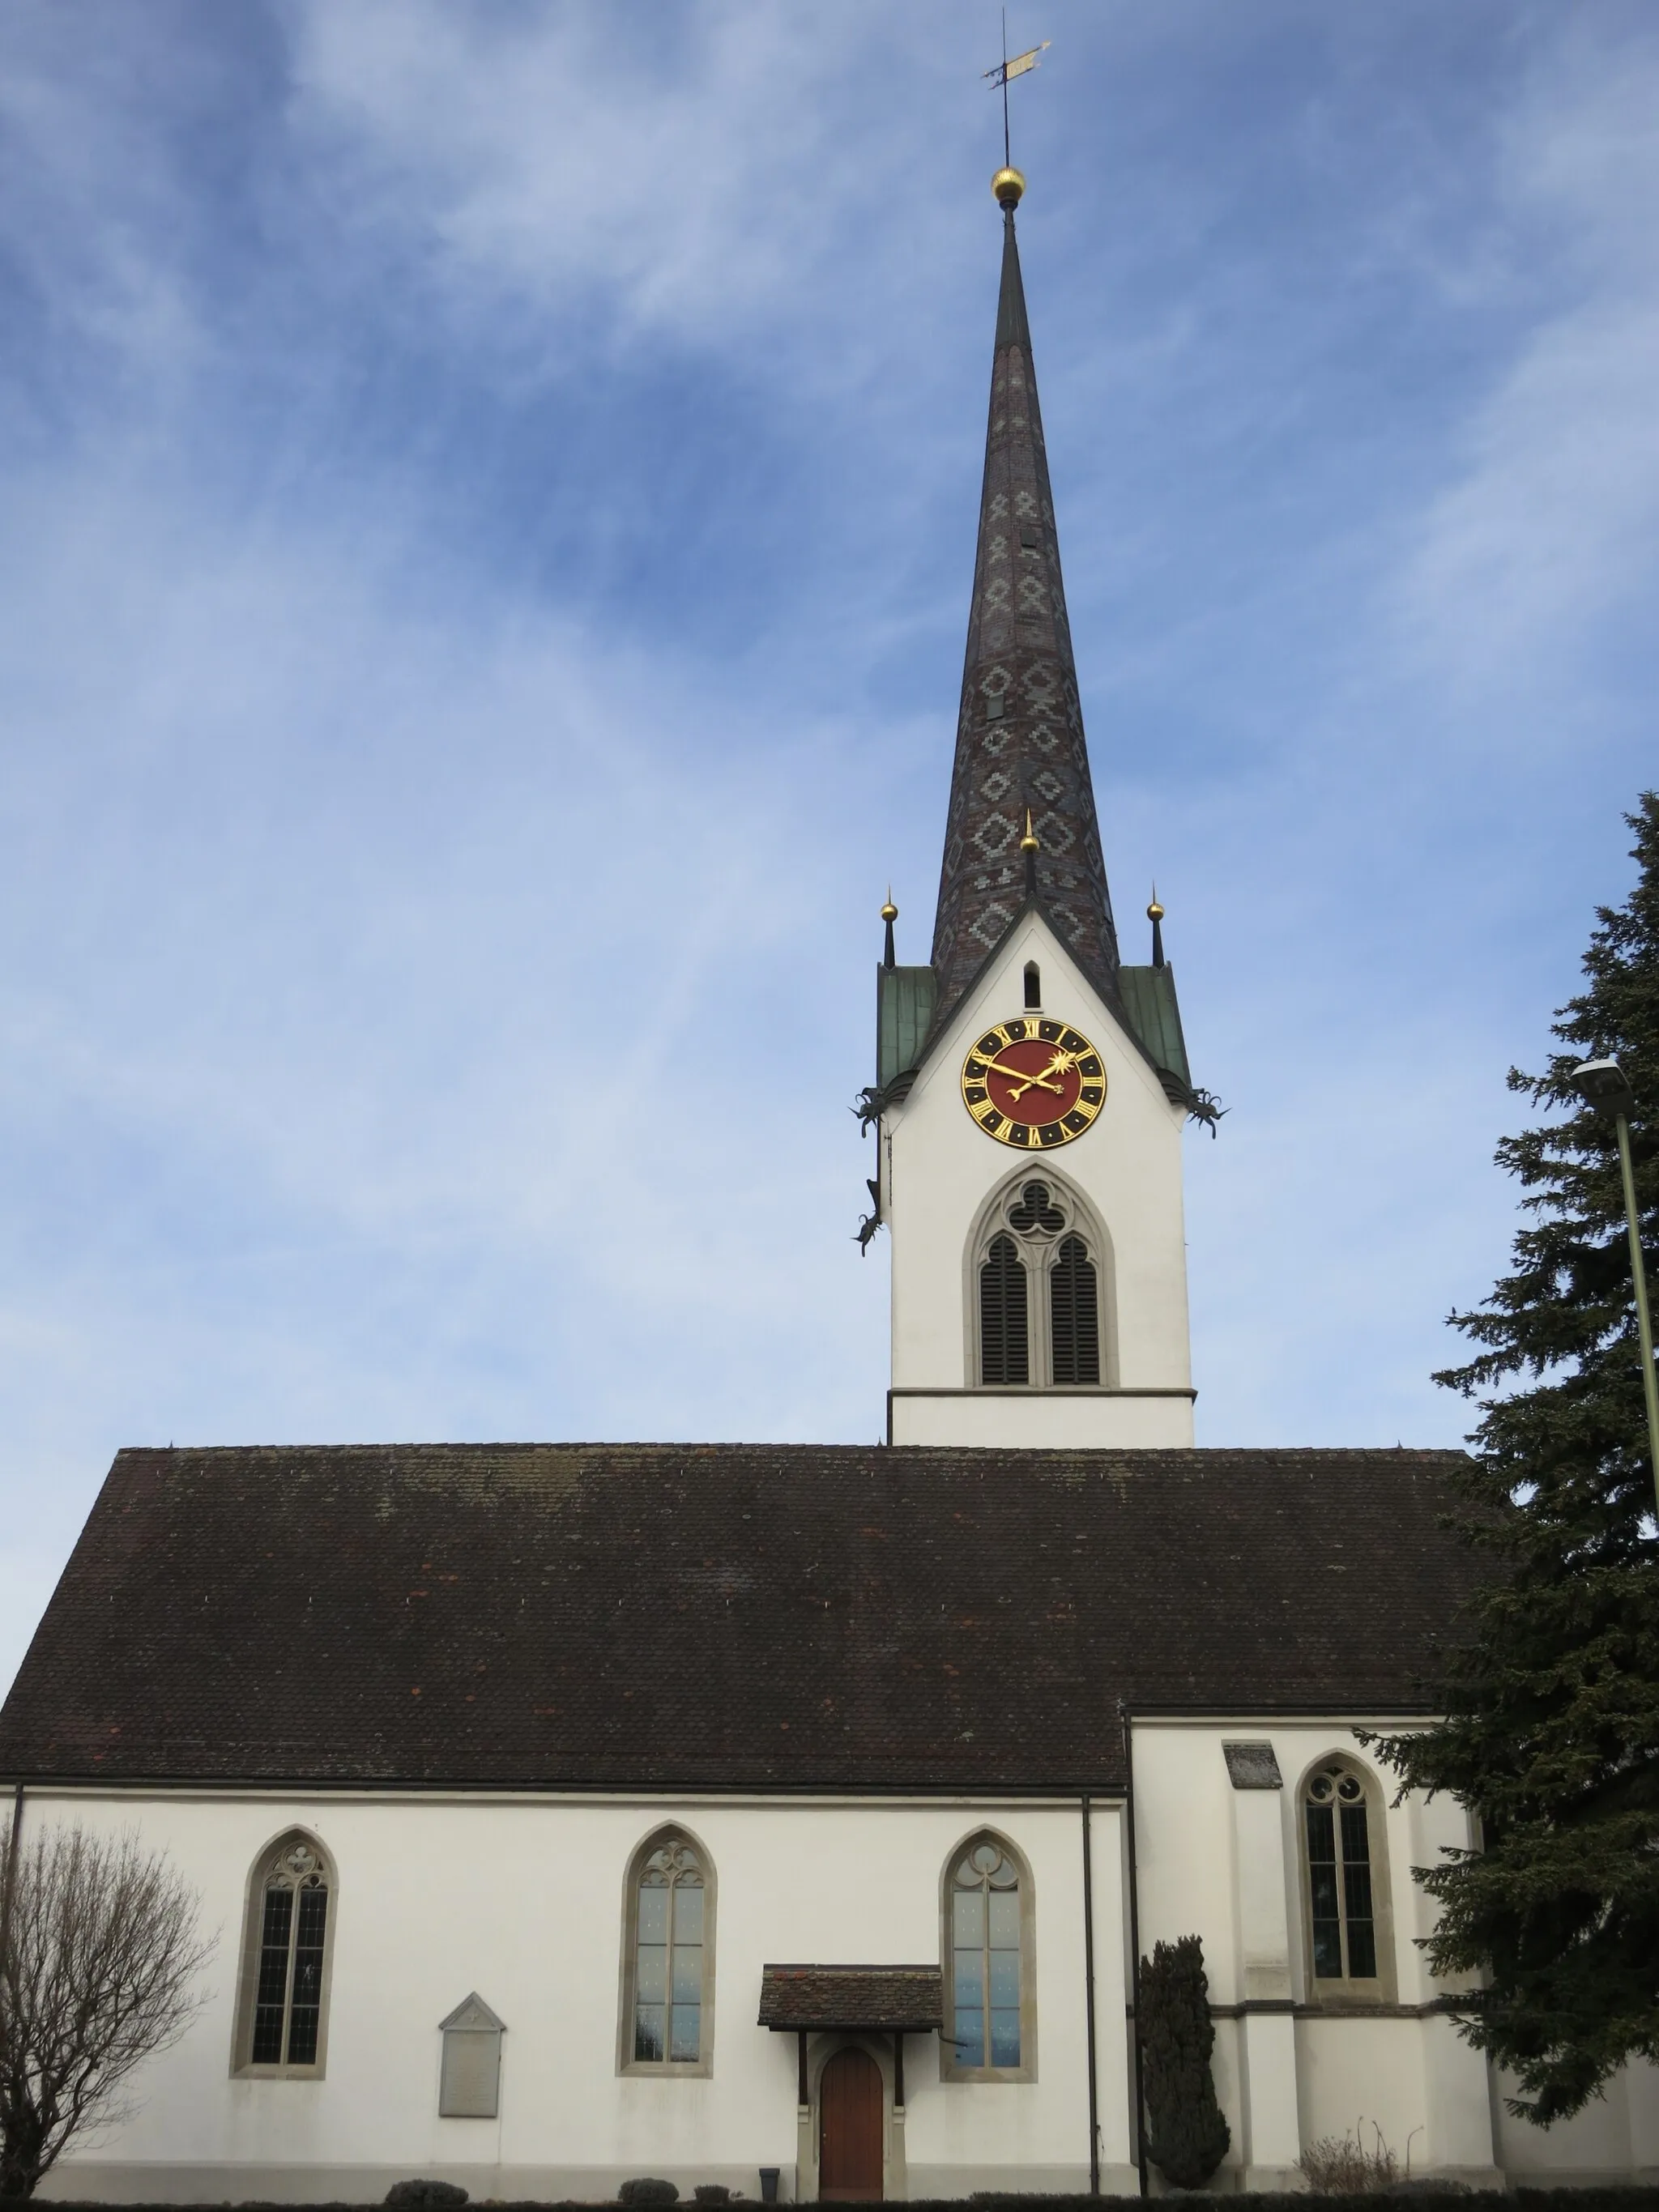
column 1550, row 521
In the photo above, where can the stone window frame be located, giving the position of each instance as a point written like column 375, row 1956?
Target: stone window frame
column 682, row 2070
column 243, row 2065
column 1039, row 1251
column 1349, row 1992
column 950, row 2068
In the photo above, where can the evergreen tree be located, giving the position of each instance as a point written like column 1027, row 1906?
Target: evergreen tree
column 1552, row 1728
column 1186, row 2137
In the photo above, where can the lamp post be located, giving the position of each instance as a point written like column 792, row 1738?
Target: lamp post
column 1605, row 1089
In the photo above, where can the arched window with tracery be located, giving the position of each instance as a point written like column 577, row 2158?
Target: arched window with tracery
column 1349, row 1949
column 1040, row 1308
column 988, row 1951
column 282, row 2027
column 669, row 1941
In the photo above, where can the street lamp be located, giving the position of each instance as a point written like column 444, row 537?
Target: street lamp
column 1605, row 1089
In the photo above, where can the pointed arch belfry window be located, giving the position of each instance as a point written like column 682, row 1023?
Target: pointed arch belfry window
column 1004, row 1322
column 1039, row 1289
column 1074, row 1313
column 283, row 2017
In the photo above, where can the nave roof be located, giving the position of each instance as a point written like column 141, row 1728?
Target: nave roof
column 721, row 1616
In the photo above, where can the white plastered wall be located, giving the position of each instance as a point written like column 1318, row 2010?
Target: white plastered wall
column 521, row 1900
column 938, row 1169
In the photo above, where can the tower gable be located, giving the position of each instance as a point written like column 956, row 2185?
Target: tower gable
column 1118, row 1188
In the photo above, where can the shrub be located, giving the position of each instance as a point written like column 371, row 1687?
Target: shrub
column 1186, row 2136
column 1342, row 2165
column 646, row 2192
column 426, row 2195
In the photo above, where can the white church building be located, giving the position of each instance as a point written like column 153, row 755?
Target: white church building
column 793, row 1817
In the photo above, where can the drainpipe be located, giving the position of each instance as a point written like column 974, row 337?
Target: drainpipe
column 1135, row 1943
column 1088, row 1998
column 10, row 1884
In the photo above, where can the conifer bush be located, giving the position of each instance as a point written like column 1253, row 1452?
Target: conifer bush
column 1186, row 2136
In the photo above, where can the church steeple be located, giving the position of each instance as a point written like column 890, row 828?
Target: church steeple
column 1019, row 734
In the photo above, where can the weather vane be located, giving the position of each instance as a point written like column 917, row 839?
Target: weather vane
column 1006, row 69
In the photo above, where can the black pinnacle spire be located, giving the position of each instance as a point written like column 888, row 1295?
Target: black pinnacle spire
column 1019, row 735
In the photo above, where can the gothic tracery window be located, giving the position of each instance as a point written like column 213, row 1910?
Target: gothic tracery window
column 986, row 1910
column 1346, row 1890
column 1039, row 1291
column 287, row 1964
column 669, row 1940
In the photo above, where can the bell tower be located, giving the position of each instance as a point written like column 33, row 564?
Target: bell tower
column 1031, row 1088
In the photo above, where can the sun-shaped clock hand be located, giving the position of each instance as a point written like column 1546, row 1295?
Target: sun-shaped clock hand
column 1057, row 1065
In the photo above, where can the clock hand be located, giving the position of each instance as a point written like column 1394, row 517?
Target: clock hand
column 1028, row 1082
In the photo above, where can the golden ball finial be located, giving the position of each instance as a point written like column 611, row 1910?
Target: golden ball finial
column 1008, row 186
column 1154, row 912
column 890, row 912
column 1029, row 843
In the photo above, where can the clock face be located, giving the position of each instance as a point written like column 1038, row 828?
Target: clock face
column 1033, row 1084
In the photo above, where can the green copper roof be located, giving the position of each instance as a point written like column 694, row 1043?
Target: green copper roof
column 905, row 1014
column 1149, row 999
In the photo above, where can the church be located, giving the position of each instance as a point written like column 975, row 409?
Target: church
column 793, row 1818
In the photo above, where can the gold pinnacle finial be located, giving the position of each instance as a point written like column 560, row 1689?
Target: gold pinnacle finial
column 1154, row 912
column 1029, row 843
column 1008, row 186
column 890, row 912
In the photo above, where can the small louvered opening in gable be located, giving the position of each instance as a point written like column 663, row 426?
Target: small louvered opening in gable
column 995, row 707
column 1033, row 984
column 1004, row 1332
column 1074, row 1313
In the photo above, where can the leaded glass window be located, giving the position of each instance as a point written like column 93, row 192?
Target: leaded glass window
column 668, row 1958
column 1342, row 1918
column 289, row 1969
column 987, row 1968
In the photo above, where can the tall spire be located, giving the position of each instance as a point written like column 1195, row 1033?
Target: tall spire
column 1019, row 734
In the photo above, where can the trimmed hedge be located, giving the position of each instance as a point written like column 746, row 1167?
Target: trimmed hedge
column 1429, row 2199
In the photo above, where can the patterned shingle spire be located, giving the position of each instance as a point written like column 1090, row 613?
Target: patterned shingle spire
column 1019, row 735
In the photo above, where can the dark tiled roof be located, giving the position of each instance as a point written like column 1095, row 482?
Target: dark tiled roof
column 720, row 1616
column 1019, row 727
column 852, row 1996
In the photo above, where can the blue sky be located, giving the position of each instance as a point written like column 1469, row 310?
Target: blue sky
column 486, row 525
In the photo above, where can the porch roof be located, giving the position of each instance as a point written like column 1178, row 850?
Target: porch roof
column 899, row 1999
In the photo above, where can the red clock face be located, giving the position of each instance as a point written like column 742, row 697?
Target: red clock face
column 1033, row 1082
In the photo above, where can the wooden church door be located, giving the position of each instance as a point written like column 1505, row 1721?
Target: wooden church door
column 850, row 2101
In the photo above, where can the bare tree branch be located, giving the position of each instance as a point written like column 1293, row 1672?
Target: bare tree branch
column 99, row 1972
